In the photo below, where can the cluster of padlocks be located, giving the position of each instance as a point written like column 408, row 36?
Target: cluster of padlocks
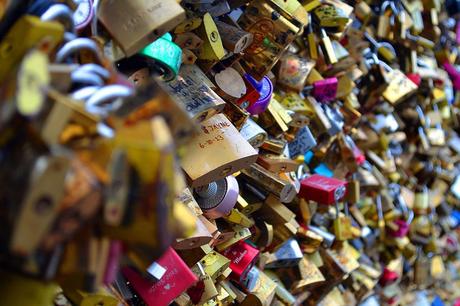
column 229, row 152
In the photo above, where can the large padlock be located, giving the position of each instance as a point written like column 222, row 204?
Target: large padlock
column 217, row 135
column 136, row 24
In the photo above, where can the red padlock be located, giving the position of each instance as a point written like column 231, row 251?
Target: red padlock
column 250, row 97
column 243, row 257
column 322, row 189
column 388, row 277
column 177, row 279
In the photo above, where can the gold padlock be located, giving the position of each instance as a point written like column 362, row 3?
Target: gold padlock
column 136, row 24
column 217, row 135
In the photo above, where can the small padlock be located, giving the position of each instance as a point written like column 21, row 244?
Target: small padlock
column 342, row 224
column 243, row 257
column 177, row 279
column 212, row 48
column 194, row 90
column 322, row 189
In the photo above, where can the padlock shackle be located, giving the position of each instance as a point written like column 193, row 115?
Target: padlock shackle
column 77, row 45
column 61, row 13
column 98, row 101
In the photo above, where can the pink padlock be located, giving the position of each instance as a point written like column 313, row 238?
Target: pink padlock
column 388, row 277
column 403, row 228
column 453, row 73
column 325, row 90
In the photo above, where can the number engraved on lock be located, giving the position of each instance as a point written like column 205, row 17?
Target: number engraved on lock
column 217, row 130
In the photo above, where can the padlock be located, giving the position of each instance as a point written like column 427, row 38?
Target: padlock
column 231, row 84
column 212, row 48
column 272, row 31
column 288, row 254
column 205, row 289
column 387, row 11
column 274, row 145
column 330, row 16
column 135, row 109
column 342, row 224
column 271, row 182
column 253, row 133
column 217, row 133
column 265, row 89
column 323, row 90
column 276, row 164
column 400, row 86
column 41, row 202
column 260, row 287
column 215, row 264
column 164, row 56
column 303, row 142
column 322, row 189
column 293, row 71
column 243, row 257
column 178, row 278
column 194, row 90
column 328, row 50
column 311, row 38
column 225, row 190
column 147, row 177
column 133, row 30
column 234, row 39
column 45, row 36
column 237, row 115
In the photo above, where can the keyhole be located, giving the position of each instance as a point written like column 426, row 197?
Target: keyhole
column 214, row 36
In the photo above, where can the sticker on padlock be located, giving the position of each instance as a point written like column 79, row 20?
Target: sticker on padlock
column 294, row 71
column 193, row 89
column 253, row 133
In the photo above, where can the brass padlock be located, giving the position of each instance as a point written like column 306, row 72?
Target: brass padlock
column 273, row 31
column 136, row 24
column 217, row 133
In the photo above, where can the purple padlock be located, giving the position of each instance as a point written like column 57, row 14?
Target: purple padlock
column 325, row 90
column 265, row 88
column 403, row 228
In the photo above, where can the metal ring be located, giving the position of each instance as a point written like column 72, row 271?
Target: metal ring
column 106, row 94
column 85, row 93
column 77, row 45
column 60, row 12
column 86, row 77
column 95, row 69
